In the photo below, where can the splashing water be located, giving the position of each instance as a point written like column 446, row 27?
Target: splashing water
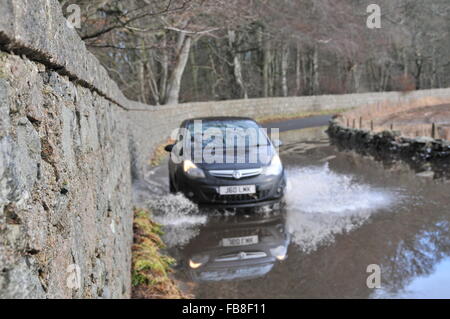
column 179, row 216
column 175, row 210
column 323, row 204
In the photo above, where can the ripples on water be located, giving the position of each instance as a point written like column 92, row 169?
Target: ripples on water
column 320, row 204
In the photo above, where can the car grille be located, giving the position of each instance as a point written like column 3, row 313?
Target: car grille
column 242, row 173
column 241, row 256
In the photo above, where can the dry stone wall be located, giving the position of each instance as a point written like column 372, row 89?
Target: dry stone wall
column 65, row 187
column 154, row 125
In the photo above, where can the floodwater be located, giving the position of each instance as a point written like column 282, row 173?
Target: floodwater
column 343, row 212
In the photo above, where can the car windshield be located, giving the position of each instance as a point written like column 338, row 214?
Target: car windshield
column 230, row 133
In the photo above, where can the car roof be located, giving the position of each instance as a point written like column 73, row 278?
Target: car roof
column 220, row 118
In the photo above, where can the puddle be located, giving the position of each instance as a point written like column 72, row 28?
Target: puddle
column 343, row 212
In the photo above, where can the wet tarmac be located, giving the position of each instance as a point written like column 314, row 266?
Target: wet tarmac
column 342, row 213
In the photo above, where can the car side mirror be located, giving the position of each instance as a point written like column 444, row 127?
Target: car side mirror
column 277, row 143
column 169, row 148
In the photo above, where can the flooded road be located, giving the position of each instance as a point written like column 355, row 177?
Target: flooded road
column 343, row 212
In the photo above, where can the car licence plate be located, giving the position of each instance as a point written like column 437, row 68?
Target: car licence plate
column 240, row 241
column 237, row 190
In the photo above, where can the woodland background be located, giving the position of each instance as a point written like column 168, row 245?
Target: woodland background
column 173, row 51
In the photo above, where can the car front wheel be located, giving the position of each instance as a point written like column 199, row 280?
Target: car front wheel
column 172, row 187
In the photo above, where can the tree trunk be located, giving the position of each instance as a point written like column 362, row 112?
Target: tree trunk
column 141, row 72
column 237, row 66
column 305, row 73
column 417, row 76
column 266, row 68
column 387, row 75
column 213, row 77
column 405, row 64
column 298, row 72
column 174, row 85
column 141, row 78
column 434, row 79
column 238, row 76
column 194, row 74
column 275, row 74
column 284, row 69
column 339, row 76
column 316, row 87
column 356, row 78
column 164, row 71
column 153, row 83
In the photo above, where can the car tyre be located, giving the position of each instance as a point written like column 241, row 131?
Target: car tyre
column 172, row 188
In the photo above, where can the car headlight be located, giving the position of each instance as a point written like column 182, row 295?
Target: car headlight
column 279, row 252
column 197, row 261
column 191, row 170
column 194, row 265
column 275, row 167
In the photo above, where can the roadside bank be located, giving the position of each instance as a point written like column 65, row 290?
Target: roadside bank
column 151, row 268
column 429, row 157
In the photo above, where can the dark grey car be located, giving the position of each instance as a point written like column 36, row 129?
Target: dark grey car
column 246, row 175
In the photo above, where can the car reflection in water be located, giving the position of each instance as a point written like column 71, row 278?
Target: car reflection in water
column 237, row 248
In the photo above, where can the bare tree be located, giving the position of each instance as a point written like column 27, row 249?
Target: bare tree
column 171, row 51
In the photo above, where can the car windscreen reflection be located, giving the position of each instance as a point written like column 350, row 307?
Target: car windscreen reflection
column 237, row 248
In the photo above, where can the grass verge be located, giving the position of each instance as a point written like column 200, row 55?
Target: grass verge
column 150, row 268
